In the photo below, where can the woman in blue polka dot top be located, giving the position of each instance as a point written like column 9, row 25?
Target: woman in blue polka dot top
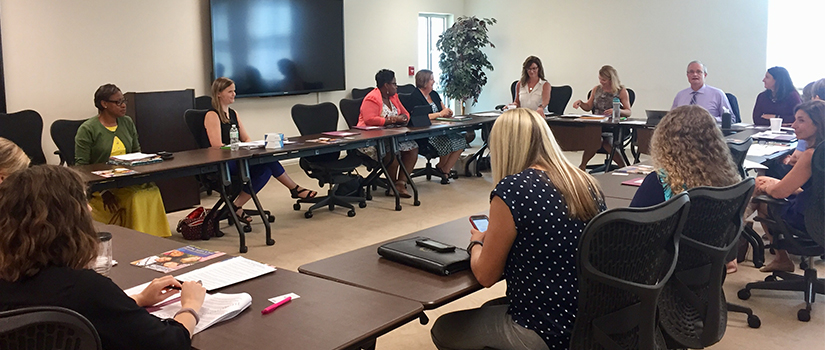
column 538, row 210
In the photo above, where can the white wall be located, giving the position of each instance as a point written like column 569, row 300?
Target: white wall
column 56, row 53
column 650, row 46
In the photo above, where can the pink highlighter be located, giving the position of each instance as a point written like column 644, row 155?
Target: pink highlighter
column 272, row 307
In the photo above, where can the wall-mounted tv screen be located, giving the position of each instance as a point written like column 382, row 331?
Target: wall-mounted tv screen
column 278, row 47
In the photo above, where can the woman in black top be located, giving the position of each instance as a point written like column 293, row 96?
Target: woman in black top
column 218, row 121
column 47, row 242
column 449, row 146
column 538, row 210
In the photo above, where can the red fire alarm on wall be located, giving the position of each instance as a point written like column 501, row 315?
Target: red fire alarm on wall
column 411, row 71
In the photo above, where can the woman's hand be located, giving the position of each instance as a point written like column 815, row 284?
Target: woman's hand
column 762, row 183
column 157, row 290
column 192, row 294
column 577, row 103
column 449, row 112
column 476, row 235
column 110, row 201
column 608, row 113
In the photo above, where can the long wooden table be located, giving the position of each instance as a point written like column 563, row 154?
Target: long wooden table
column 328, row 315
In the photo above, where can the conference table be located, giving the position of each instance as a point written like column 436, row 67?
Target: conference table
column 327, row 315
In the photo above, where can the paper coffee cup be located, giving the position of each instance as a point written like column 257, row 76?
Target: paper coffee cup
column 776, row 124
column 274, row 140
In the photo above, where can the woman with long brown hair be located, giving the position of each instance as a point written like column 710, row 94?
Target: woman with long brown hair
column 532, row 90
column 48, row 242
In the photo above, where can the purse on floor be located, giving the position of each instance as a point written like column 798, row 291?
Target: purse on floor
column 409, row 253
column 192, row 226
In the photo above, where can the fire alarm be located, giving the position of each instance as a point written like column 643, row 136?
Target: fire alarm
column 411, row 71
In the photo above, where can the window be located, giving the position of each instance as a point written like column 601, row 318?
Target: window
column 430, row 27
column 793, row 29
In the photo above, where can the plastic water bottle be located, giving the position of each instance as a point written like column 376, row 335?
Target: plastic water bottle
column 617, row 108
column 234, row 139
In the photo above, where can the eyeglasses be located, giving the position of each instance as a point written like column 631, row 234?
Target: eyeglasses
column 120, row 102
column 696, row 72
column 533, row 68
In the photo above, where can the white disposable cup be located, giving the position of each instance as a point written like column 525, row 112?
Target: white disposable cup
column 776, row 124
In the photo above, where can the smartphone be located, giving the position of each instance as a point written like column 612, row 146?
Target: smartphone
column 479, row 222
column 435, row 245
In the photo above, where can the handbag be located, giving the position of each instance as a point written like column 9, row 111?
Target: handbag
column 192, row 226
column 408, row 253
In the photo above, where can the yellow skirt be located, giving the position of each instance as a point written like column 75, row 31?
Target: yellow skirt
column 141, row 209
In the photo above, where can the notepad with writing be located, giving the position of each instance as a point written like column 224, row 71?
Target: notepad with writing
column 634, row 182
column 227, row 272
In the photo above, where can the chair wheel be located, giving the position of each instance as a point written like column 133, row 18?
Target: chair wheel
column 270, row 218
column 244, row 249
column 351, row 213
column 331, row 207
column 478, row 174
column 417, row 203
column 754, row 321
column 770, row 278
column 247, row 229
column 744, row 294
column 219, row 233
column 270, row 241
column 296, row 206
column 429, row 177
column 803, row 265
column 397, row 208
column 369, row 197
column 803, row 315
column 757, row 263
column 468, row 174
column 362, row 204
column 445, row 180
column 308, row 214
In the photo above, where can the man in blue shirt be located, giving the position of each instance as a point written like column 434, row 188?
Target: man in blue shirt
column 709, row 97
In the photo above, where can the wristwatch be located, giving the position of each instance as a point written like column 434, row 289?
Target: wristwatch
column 472, row 244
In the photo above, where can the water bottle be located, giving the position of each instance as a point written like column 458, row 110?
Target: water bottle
column 234, row 139
column 617, row 108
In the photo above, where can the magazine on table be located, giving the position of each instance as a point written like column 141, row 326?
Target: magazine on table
column 114, row 172
column 137, row 158
column 177, row 259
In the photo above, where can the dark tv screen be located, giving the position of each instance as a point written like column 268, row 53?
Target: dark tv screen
column 278, row 47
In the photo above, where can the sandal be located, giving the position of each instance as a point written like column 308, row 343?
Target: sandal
column 296, row 193
column 445, row 177
column 401, row 186
column 243, row 217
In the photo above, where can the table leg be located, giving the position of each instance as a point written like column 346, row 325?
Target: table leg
column 227, row 181
column 382, row 152
column 403, row 169
column 617, row 144
column 264, row 217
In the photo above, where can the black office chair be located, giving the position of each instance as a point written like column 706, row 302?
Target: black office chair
column 360, row 93
column 559, row 97
column 203, row 102
column 326, row 168
column 25, row 129
column 63, row 132
column 692, row 307
column 626, row 257
column 351, row 110
column 224, row 207
column 47, row 328
column 513, row 93
column 807, row 244
column 739, row 151
column 406, row 89
column 627, row 140
column 734, row 105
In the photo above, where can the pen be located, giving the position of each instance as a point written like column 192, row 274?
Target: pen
column 272, row 307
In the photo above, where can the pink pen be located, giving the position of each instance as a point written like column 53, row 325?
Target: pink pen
column 272, row 307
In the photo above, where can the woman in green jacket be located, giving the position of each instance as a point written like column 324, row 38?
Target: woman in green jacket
column 112, row 133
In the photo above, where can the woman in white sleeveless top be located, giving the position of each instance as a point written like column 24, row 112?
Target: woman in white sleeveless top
column 533, row 90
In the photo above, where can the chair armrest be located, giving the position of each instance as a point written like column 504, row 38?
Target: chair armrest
column 500, row 107
column 769, row 200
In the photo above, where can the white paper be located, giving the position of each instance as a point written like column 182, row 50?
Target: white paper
column 486, row 114
column 753, row 165
column 227, row 272
column 275, row 300
column 760, row 150
column 134, row 156
column 252, row 144
column 216, row 308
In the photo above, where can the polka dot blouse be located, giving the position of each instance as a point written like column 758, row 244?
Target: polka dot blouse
column 541, row 265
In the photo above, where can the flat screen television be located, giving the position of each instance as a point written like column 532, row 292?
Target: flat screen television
column 278, row 47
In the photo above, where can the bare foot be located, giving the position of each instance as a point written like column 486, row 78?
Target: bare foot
column 732, row 266
column 786, row 266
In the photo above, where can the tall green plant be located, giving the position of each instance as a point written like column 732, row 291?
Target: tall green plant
column 462, row 60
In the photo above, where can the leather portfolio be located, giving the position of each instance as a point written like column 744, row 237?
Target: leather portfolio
column 407, row 252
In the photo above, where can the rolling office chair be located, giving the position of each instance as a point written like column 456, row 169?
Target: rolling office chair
column 63, row 132
column 25, row 129
column 406, row 89
column 512, row 95
column 739, row 152
column 807, row 244
column 734, row 105
column 224, row 208
column 692, row 307
column 626, row 257
column 326, row 168
column 559, row 98
column 203, row 102
column 360, row 93
column 627, row 141
column 47, row 328
column 350, row 110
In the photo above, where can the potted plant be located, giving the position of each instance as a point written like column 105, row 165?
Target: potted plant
column 462, row 61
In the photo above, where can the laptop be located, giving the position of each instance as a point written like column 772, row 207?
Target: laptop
column 654, row 116
column 420, row 116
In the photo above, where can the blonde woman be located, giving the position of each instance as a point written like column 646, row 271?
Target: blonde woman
column 688, row 150
column 538, row 210
column 601, row 103
column 12, row 158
